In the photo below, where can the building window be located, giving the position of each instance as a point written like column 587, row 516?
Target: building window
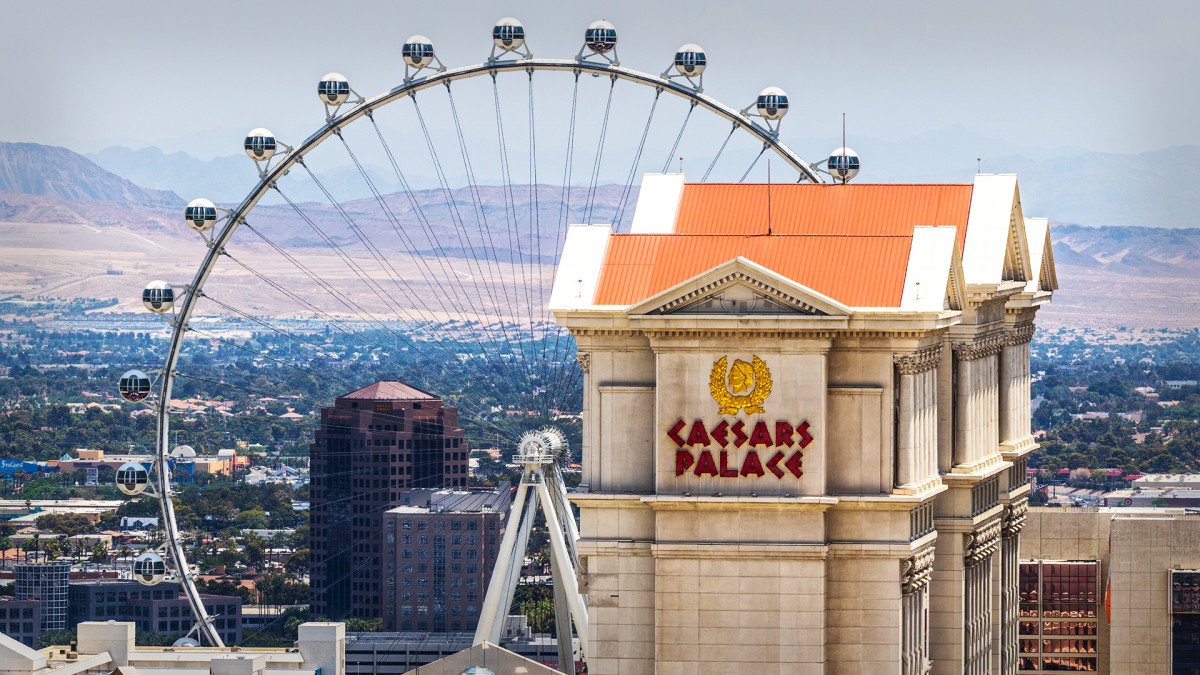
column 1058, row 610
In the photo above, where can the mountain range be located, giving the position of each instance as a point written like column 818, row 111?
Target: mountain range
column 1066, row 184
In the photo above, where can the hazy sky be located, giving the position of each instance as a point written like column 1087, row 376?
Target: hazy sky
column 1097, row 74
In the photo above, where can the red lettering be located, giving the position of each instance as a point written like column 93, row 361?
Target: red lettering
column 698, row 435
column 805, row 437
column 783, row 434
column 705, row 464
column 673, row 433
column 751, row 465
column 727, row 472
column 739, row 436
column 718, row 433
column 683, row 461
column 760, row 436
column 793, row 463
column 773, row 464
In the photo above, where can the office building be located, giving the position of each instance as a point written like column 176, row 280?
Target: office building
column 21, row 620
column 47, row 583
column 154, row 609
column 1118, row 590
column 373, row 445
column 439, row 551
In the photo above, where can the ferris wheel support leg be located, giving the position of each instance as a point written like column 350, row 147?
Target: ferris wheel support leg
column 568, row 516
column 558, row 550
column 491, row 619
column 513, row 574
column 562, row 627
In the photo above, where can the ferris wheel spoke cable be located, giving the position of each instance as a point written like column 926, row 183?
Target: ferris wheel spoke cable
column 536, row 221
column 430, row 239
column 394, row 222
column 516, row 254
column 564, row 216
column 460, row 227
column 479, row 212
column 587, row 217
column 751, row 167
column 637, row 159
column 679, row 137
column 456, row 216
column 350, row 304
column 350, row 262
column 718, row 155
column 363, row 238
column 361, row 274
column 427, row 229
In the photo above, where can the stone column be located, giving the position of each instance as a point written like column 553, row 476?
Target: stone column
column 1010, row 544
column 976, row 409
column 916, row 442
column 915, row 573
column 590, row 463
column 1014, row 386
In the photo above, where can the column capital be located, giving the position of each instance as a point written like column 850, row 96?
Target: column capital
column 920, row 361
column 1014, row 516
column 585, row 361
column 980, row 544
column 1019, row 334
column 916, row 570
column 978, row 349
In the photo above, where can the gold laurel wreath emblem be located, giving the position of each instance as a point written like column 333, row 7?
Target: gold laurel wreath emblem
column 730, row 403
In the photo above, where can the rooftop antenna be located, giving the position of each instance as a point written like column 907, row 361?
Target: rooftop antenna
column 768, row 196
column 843, row 140
column 680, row 165
column 978, row 165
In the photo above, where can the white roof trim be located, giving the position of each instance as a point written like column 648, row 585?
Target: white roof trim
column 1041, row 256
column 934, row 271
column 700, row 285
column 579, row 267
column 995, row 230
column 658, row 203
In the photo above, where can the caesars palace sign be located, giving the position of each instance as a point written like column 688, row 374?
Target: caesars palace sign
column 777, row 448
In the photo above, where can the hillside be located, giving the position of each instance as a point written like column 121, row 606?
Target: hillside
column 48, row 171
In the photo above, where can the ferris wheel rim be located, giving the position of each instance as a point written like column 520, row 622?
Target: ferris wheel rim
column 333, row 125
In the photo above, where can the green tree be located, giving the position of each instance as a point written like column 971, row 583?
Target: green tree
column 55, row 637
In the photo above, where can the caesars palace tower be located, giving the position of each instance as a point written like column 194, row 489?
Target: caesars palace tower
column 806, row 420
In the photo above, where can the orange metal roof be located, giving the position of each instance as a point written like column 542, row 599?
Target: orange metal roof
column 859, row 271
column 806, row 208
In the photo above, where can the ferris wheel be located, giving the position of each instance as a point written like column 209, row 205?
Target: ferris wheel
column 425, row 223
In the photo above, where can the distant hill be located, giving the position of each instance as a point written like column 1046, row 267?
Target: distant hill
column 49, row 171
column 1133, row 251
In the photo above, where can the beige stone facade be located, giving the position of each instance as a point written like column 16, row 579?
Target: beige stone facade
column 864, row 516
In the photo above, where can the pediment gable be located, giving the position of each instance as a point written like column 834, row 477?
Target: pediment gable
column 740, row 287
column 996, row 249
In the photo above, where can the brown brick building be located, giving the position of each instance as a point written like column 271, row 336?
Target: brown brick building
column 439, row 552
column 373, row 446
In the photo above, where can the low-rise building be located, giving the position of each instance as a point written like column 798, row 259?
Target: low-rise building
column 438, row 555
column 1110, row 590
column 105, row 646
column 155, row 609
column 21, row 619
